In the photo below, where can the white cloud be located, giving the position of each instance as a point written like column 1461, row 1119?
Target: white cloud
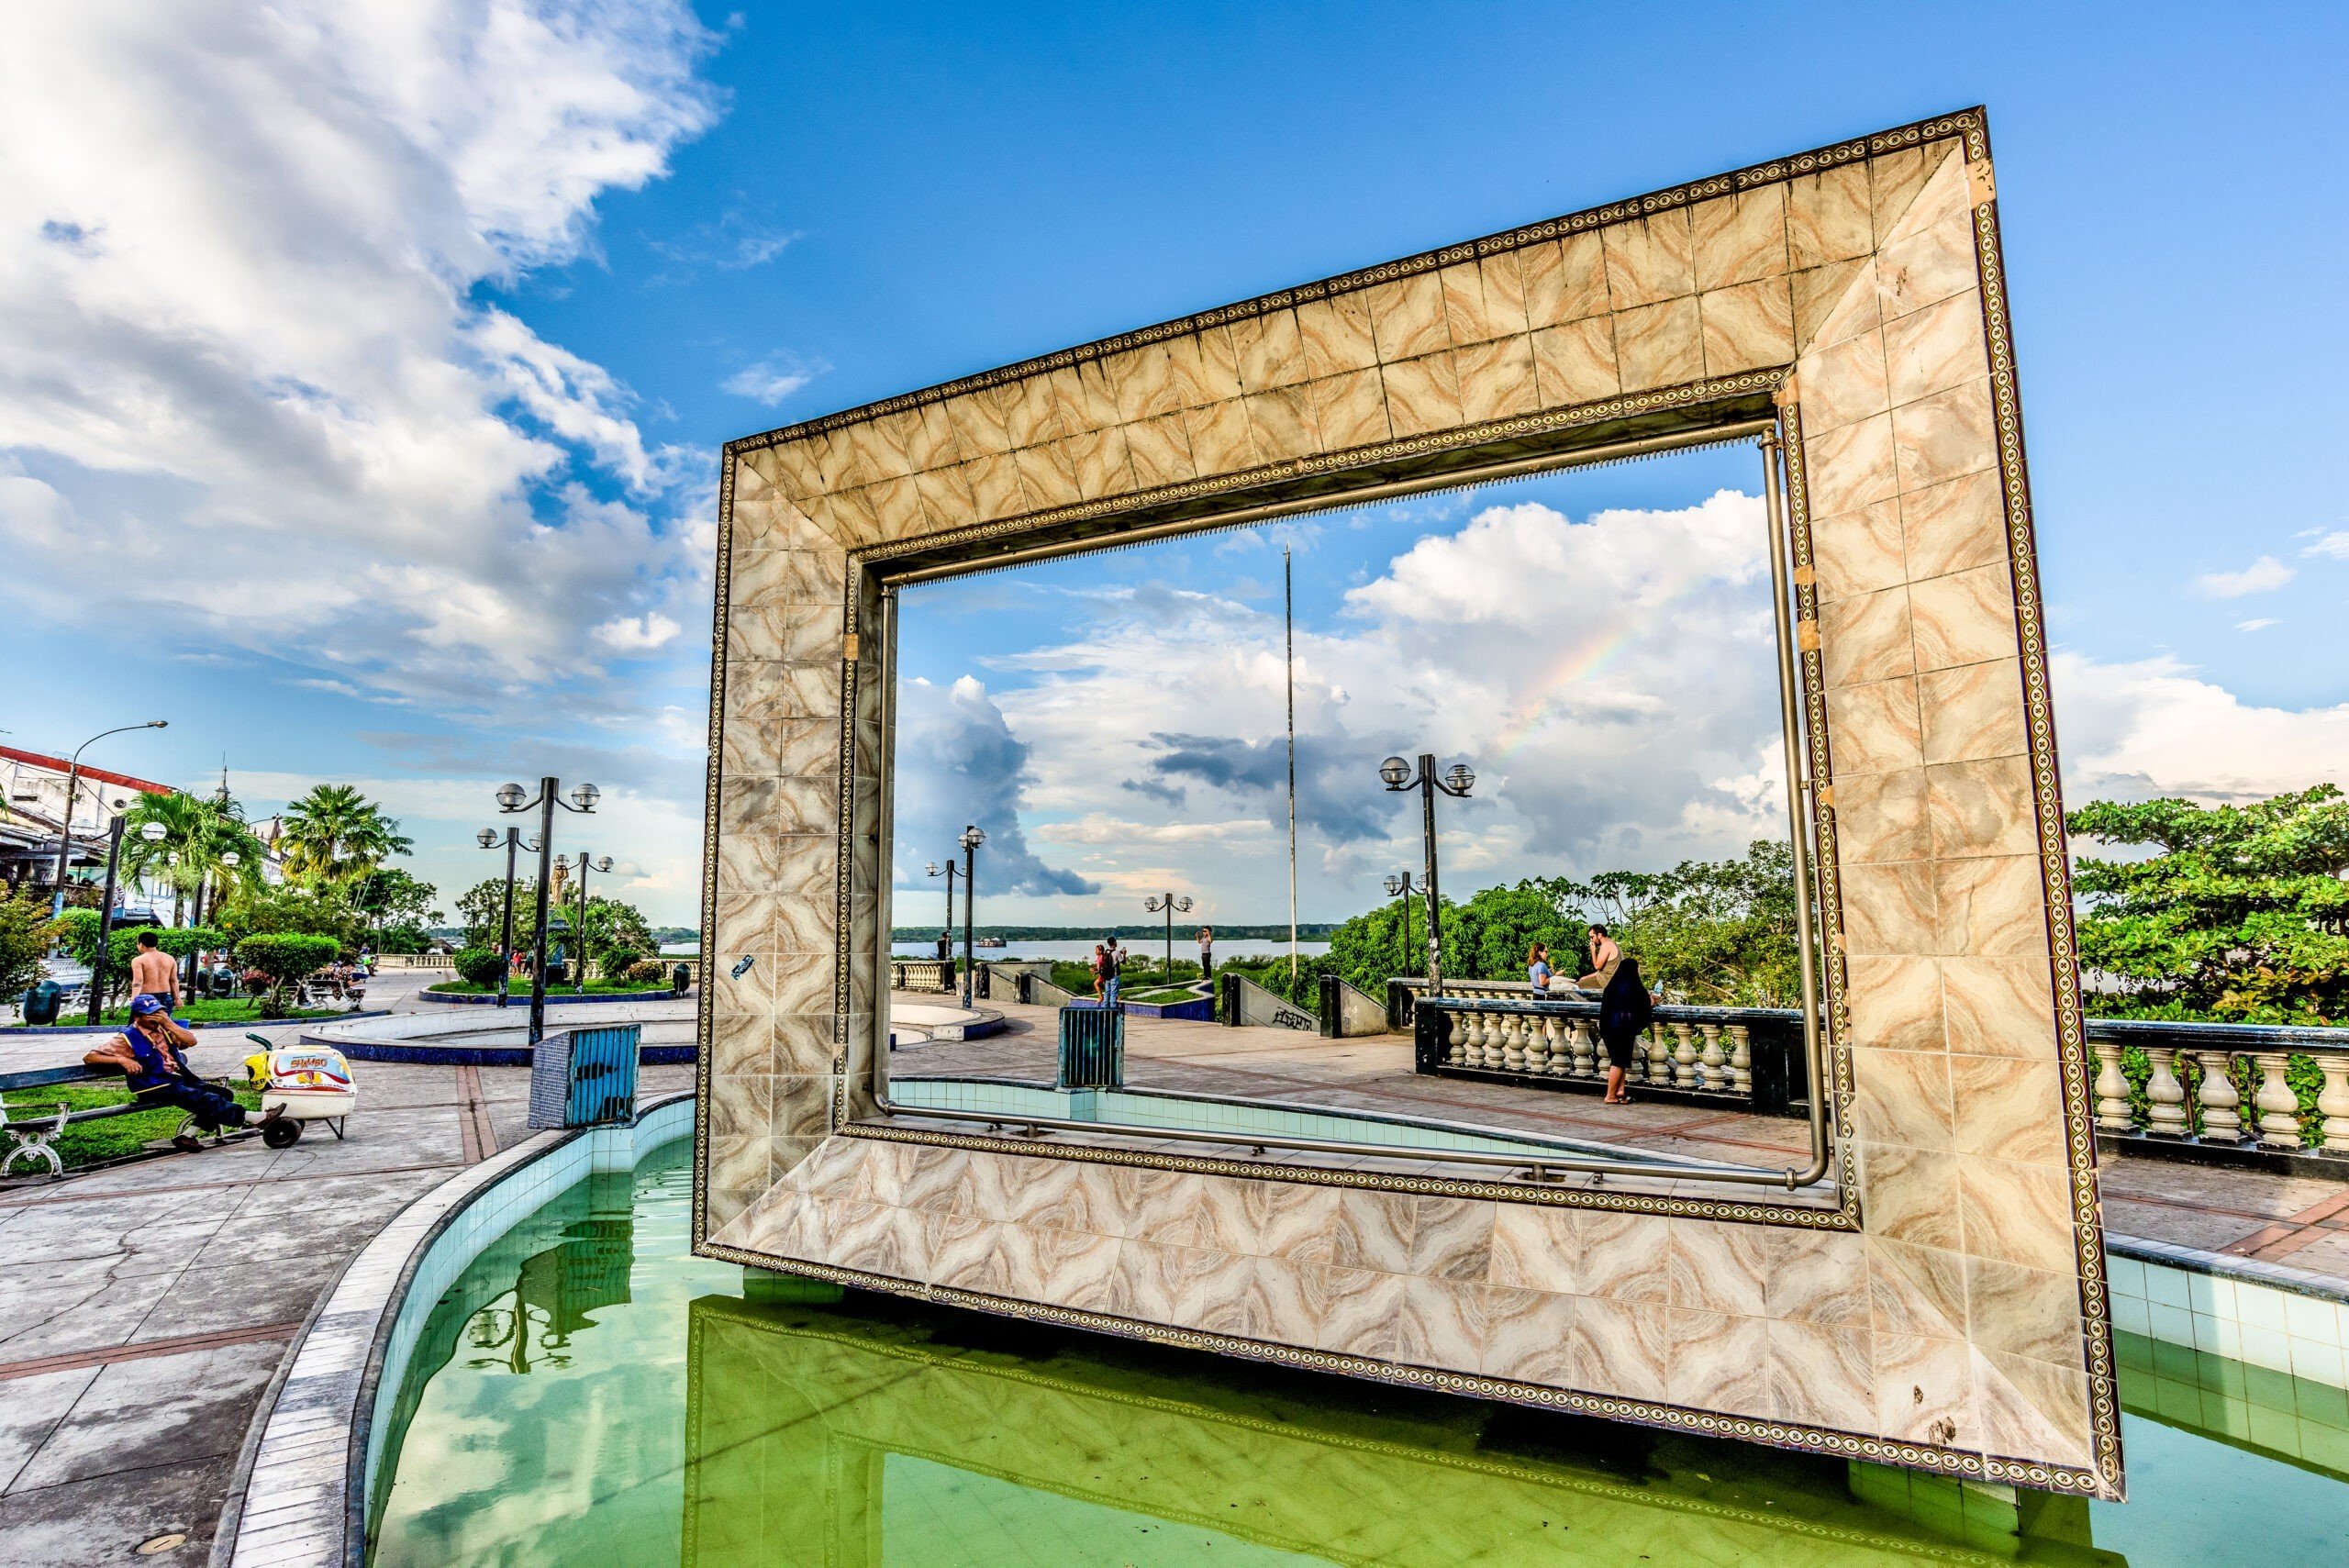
column 2257, row 623
column 2155, row 727
column 2333, row 545
column 637, row 634
column 252, row 359
column 772, row 379
column 2263, row 575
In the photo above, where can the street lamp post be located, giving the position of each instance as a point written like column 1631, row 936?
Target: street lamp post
column 1456, row 782
column 1172, row 907
column 488, row 839
column 512, row 800
column 949, row 870
column 579, row 979
column 152, row 832
column 65, row 820
column 973, row 836
column 1400, row 887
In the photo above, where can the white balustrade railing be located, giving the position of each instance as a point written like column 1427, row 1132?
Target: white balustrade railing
column 1551, row 1043
column 2222, row 1084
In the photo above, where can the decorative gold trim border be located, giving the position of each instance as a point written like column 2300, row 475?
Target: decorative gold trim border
column 1793, row 1216
column 1967, row 124
column 2054, row 864
column 1772, row 1434
column 705, row 1011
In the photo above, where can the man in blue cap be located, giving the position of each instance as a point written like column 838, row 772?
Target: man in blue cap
column 152, row 1055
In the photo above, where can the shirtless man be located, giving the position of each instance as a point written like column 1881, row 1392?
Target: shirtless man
column 155, row 972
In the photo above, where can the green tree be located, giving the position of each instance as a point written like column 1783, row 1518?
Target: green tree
column 398, row 907
column 198, row 831
column 266, row 911
column 286, row 957
column 335, row 835
column 1719, row 932
column 482, row 909
column 25, row 935
column 2240, row 913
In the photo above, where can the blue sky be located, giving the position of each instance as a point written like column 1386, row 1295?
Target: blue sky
column 361, row 372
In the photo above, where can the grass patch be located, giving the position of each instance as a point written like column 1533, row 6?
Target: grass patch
column 1161, row 999
column 522, row 989
column 208, row 1010
column 87, row 1143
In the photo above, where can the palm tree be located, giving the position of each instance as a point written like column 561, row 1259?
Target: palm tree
column 198, row 833
column 335, row 835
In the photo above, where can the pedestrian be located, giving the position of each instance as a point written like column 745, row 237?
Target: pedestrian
column 1206, row 952
column 1624, row 1010
column 152, row 1055
column 154, row 973
column 1113, row 962
column 1100, row 970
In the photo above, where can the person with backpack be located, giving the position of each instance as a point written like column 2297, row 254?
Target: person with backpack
column 1113, row 962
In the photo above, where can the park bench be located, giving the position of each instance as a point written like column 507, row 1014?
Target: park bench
column 32, row 1129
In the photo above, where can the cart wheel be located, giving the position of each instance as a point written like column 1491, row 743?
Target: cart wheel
column 280, row 1134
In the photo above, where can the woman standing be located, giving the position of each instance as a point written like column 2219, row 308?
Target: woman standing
column 1624, row 1010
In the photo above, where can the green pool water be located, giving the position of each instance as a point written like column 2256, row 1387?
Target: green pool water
column 587, row 1393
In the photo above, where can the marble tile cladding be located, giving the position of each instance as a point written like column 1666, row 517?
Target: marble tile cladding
column 1842, row 383
column 1895, row 180
column 1935, row 349
column 1650, row 258
column 1422, row 394
column 1281, row 424
column 1350, row 410
column 1896, row 1002
column 1270, row 351
column 1741, row 238
column 1142, row 382
column 1218, row 434
column 1565, row 280
column 1659, row 345
column 2009, row 1108
column 1965, row 617
column 976, row 420
column 1337, row 335
column 995, row 487
column 896, row 507
column 1626, row 1347
column 1159, row 451
column 1954, row 525
column 1828, row 217
column 1834, row 302
column 1857, row 553
column 2031, row 1407
column 1463, row 305
column 2015, row 1212
column 1747, row 326
column 1981, row 807
column 1924, row 1391
column 1101, row 462
column 1875, row 728
column 1992, row 906
column 1204, row 366
column 1973, row 711
column 1407, row 316
column 1903, row 1097
column 1911, row 1196
column 1046, row 475
column 946, row 499
column 1851, row 467
column 1889, row 908
column 1916, row 1290
column 1867, row 638
column 1576, row 363
column 1926, row 268
column 1503, row 277
column 1881, row 816
column 1822, row 1375
column 1999, row 1007
column 1497, row 380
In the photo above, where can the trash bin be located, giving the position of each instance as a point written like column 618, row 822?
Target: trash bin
column 41, row 1000
column 1093, row 1047
column 580, row 1077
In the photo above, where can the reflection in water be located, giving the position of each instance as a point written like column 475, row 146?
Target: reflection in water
column 589, row 1394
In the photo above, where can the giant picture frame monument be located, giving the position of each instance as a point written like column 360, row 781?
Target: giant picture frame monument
column 1940, row 1301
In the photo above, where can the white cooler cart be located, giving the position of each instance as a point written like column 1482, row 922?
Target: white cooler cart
column 312, row 1081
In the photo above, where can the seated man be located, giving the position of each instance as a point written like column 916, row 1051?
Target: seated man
column 1605, row 958
column 152, row 1055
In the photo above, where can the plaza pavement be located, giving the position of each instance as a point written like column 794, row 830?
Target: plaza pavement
column 144, row 1310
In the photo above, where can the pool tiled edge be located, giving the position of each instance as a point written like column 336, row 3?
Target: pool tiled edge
column 312, row 1453
column 2264, row 1314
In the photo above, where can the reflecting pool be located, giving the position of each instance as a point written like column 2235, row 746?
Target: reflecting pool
column 587, row 1393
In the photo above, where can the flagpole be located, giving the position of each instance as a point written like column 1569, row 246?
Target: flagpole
column 1289, row 643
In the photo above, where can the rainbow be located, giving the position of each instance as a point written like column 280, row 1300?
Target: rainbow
column 1580, row 662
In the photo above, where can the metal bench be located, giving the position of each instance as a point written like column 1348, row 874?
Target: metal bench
column 32, row 1130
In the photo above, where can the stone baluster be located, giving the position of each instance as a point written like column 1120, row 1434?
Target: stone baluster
column 1684, row 1057
column 1489, row 1042
column 2164, row 1096
column 1553, row 1060
column 2221, row 1120
column 1584, row 1047
column 2279, row 1113
column 2332, row 1100
column 2111, row 1090
column 1741, row 1059
column 1456, row 1053
column 1713, row 1066
column 1513, row 1041
column 1472, row 1039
